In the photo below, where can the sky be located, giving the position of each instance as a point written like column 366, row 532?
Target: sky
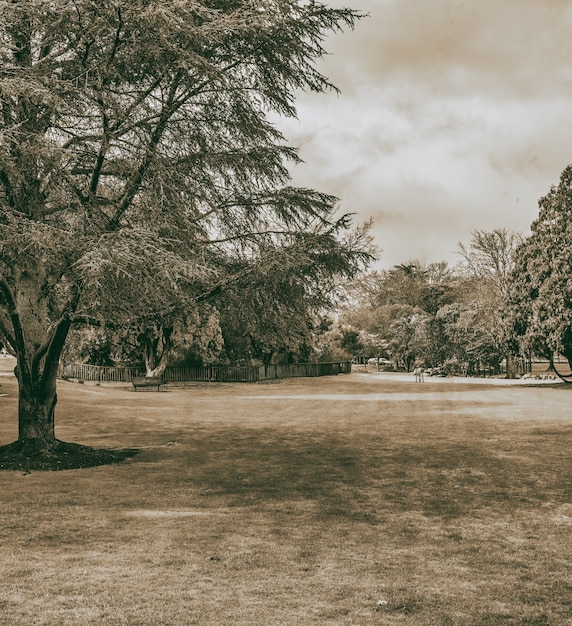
column 453, row 116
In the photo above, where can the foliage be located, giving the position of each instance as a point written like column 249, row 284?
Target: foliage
column 541, row 284
column 424, row 286
column 481, row 333
column 432, row 314
column 351, row 342
column 138, row 167
column 489, row 259
column 91, row 345
column 275, row 304
column 201, row 344
column 406, row 334
column 330, row 343
column 396, row 308
column 471, row 336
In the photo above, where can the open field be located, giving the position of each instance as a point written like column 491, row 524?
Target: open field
column 360, row 499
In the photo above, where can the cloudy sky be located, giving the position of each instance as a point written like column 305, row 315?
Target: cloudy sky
column 454, row 116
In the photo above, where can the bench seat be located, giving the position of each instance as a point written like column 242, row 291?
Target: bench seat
column 141, row 382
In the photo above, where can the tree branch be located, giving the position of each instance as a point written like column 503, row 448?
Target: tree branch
column 19, row 343
column 4, row 332
column 55, row 349
column 252, row 235
column 57, row 341
column 169, row 109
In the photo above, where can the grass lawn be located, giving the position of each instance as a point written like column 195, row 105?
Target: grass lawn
column 359, row 499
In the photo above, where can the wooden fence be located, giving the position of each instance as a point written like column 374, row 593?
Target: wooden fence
column 215, row 373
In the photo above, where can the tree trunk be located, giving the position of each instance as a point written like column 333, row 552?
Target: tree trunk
column 157, row 352
column 567, row 350
column 156, row 372
column 36, row 407
column 511, row 370
column 38, row 342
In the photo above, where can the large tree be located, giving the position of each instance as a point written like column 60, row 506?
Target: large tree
column 541, row 285
column 135, row 144
column 483, row 292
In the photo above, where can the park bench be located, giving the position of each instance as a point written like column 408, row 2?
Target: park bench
column 146, row 381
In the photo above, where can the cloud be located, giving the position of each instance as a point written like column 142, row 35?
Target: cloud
column 452, row 117
column 508, row 47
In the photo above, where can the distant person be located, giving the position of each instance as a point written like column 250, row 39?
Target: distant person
column 418, row 371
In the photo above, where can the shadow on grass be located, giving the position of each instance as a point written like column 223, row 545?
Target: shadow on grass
column 27, row 456
column 365, row 478
column 265, row 468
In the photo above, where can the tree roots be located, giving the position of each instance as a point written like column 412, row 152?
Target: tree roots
column 31, row 455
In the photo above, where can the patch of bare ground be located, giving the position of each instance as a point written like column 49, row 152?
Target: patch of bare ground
column 338, row 501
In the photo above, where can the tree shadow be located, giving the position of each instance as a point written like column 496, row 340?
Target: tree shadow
column 29, row 456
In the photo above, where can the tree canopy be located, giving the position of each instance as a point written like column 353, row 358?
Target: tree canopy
column 435, row 315
column 541, row 287
column 136, row 149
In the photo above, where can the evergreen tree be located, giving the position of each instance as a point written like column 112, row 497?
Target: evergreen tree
column 135, row 148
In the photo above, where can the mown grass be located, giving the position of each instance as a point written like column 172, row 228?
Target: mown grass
column 347, row 500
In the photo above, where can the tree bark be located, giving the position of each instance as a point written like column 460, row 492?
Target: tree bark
column 511, row 366
column 36, row 408
column 37, row 396
column 38, row 344
column 157, row 352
